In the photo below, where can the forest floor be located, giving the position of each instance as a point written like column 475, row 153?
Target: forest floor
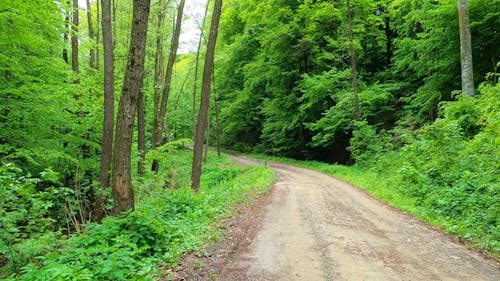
column 314, row 227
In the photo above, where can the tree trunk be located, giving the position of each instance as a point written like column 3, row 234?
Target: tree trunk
column 196, row 68
column 141, row 132
column 67, row 19
column 465, row 48
column 74, row 42
column 123, row 194
column 114, row 7
column 388, row 41
column 216, row 107
column 354, row 71
column 92, row 61
column 205, row 97
column 207, row 138
column 158, row 73
column 168, row 78
column 97, row 35
column 109, row 93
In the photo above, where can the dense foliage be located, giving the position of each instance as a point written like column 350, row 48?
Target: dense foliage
column 285, row 74
column 286, row 90
column 166, row 223
column 446, row 173
column 283, row 85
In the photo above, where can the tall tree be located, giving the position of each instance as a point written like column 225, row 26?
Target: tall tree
column 97, row 35
column 168, row 78
column 465, row 48
column 92, row 52
column 205, row 96
column 141, row 131
column 354, row 70
column 216, row 107
column 157, row 76
column 197, row 60
column 67, row 19
column 109, row 93
column 207, row 137
column 123, row 194
column 74, row 41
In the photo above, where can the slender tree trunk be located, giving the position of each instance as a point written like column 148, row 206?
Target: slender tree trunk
column 97, row 35
column 114, row 7
column 141, row 132
column 109, row 93
column 67, row 19
column 123, row 193
column 495, row 68
column 205, row 97
column 92, row 61
column 158, row 73
column 388, row 40
column 74, row 42
column 197, row 60
column 354, row 71
column 216, row 107
column 168, row 78
column 465, row 48
column 207, row 138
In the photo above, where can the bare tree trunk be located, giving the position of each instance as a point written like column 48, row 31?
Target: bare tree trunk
column 67, row 19
column 388, row 40
column 92, row 61
column 158, row 73
column 494, row 67
column 168, row 78
column 97, row 35
column 207, row 138
column 74, row 42
column 123, row 193
column 354, row 70
column 205, row 97
column 465, row 48
column 141, row 132
column 216, row 107
column 114, row 7
column 197, row 60
column 109, row 93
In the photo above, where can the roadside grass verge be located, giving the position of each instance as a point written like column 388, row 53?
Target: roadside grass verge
column 477, row 225
column 169, row 220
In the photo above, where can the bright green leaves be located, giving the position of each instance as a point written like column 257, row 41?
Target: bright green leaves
column 448, row 169
column 166, row 224
column 288, row 66
column 36, row 99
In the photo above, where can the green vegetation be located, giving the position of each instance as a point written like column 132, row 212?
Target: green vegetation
column 169, row 220
column 285, row 73
column 288, row 89
column 286, row 85
column 445, row 174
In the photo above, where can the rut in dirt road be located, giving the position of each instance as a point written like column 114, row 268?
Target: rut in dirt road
column 319, row 228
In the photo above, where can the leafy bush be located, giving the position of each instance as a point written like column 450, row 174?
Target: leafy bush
column 165, row 224
column 32, row 210
column 446, row 173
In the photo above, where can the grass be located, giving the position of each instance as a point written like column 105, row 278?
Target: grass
column 391, row 189
column 169, row 220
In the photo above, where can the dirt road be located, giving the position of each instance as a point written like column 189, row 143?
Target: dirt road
column 319, row 228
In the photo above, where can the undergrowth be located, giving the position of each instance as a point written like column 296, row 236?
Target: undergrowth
column 169, row 220
column 446, row 173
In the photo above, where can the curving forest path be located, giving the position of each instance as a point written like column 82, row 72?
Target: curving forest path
column 316, row 227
